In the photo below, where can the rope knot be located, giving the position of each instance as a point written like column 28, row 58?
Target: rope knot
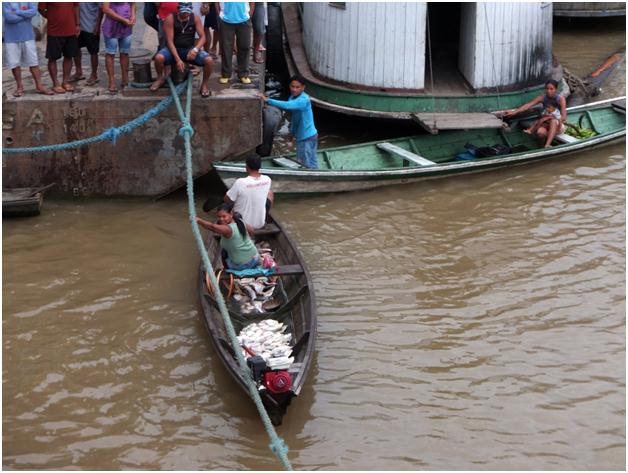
column 186, row 129
column 112, row 134
column 279, row 447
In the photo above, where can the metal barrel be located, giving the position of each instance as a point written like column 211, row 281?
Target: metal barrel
column 142, row 71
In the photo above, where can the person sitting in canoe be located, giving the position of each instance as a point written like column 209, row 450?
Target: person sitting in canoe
column 553, row 118
column 235, row 238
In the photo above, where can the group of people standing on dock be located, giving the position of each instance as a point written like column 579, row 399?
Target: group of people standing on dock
column 182, row 35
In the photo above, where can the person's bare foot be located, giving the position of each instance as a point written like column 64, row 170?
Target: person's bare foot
column 157, row 84
column 57, row 89
column 76, row 77
column 18, row 92
column 528, row 131
column 68, row 87
column 205, row 92
column 44, row 90
column 92, row 81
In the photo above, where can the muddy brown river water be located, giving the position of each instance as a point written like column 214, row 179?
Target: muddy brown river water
column 476, row 322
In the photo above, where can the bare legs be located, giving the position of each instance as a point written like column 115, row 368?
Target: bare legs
column 65, row 84
column 208, row 64
column 159, row 68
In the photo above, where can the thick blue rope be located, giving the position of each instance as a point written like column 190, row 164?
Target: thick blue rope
column 110, row 134
column 277, row 445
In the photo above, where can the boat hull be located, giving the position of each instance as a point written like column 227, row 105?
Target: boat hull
column 21, row 202
column 327, row 179
column 299, row 313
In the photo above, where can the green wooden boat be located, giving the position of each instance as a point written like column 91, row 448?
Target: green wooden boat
column 405, row 160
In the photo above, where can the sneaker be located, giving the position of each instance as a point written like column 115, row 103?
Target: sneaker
column 223, row 80
column 245, row 80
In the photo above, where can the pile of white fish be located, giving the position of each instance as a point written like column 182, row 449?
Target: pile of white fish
column 268, row 340
column 254, row 294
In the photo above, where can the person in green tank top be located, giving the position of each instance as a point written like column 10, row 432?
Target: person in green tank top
column 235, row 238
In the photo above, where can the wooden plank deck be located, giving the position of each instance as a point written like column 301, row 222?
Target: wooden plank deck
column 433, row 122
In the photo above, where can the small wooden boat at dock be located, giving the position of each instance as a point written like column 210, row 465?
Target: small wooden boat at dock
column 410, row 159
column 23, row 201
column 288, row 317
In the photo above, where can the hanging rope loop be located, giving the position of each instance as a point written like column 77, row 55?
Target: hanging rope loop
column 112, row 134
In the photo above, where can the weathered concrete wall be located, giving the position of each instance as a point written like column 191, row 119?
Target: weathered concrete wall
column 148, row 162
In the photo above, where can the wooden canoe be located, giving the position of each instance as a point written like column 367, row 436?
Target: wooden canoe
column 410, row 159
column 22, row 201
column 297, row 311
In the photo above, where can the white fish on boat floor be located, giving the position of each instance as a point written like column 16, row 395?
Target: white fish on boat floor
column 267, row 339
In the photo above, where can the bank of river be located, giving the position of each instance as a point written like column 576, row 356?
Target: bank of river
column 467, row 323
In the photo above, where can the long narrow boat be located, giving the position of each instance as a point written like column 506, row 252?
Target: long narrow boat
column 23, row 201
column 295, row 309
column 405, row 160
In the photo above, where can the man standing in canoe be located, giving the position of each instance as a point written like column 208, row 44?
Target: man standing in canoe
column 302, row 121
column 251, row 195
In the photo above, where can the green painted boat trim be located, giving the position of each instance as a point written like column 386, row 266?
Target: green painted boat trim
column 365, row 165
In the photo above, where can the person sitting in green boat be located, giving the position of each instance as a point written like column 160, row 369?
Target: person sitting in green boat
column 302, row 121
column 239, row 251
column 553, row 117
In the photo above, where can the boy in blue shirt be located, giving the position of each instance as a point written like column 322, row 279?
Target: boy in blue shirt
column 302, row 121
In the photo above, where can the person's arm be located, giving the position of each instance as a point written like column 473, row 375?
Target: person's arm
column 77, row 19
column 251, row 9
column 249, row 230
column 98, row 21
column 133, row 18
column 42, row 7
column 218, row 9
column 563, row 109
column 524, row 107
column 300, row 103
column 227, row 199
column 28, row 11
column 222, row 230
column 106, row 9
column 200, row 31
column 9, row 14
column 169, row 33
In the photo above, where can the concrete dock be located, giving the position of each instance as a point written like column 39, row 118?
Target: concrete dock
column 147, row 162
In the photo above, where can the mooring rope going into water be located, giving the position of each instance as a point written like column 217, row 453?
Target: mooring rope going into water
column 277, row 444
column 110, row 134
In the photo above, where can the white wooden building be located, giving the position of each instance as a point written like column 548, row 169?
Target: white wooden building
column 386, row 45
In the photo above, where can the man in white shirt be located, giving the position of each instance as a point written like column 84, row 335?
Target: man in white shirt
column 251, row 195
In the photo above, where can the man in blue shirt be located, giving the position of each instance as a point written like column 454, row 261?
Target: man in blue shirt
column 235, row 19
column 19, row 43
column 301, row 122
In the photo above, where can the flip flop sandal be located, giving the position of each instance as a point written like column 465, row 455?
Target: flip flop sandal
column 76, row 78
column 91, row 82
column 68, row 87
column 58, row 90
column 18, row 93
column 206, row 93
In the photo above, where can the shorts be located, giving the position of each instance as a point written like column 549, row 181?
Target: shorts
column 211, row 19
column 22, row 54
column 90, row 41
column 259, row 15
column 183, row 53
column 306, row 152
column 57, row 46
column 111, row 45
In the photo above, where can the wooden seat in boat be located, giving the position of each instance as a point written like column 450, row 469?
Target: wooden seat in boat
column 404, row 154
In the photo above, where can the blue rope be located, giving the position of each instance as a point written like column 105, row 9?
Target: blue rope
column 110, row 134
column 277, row 445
